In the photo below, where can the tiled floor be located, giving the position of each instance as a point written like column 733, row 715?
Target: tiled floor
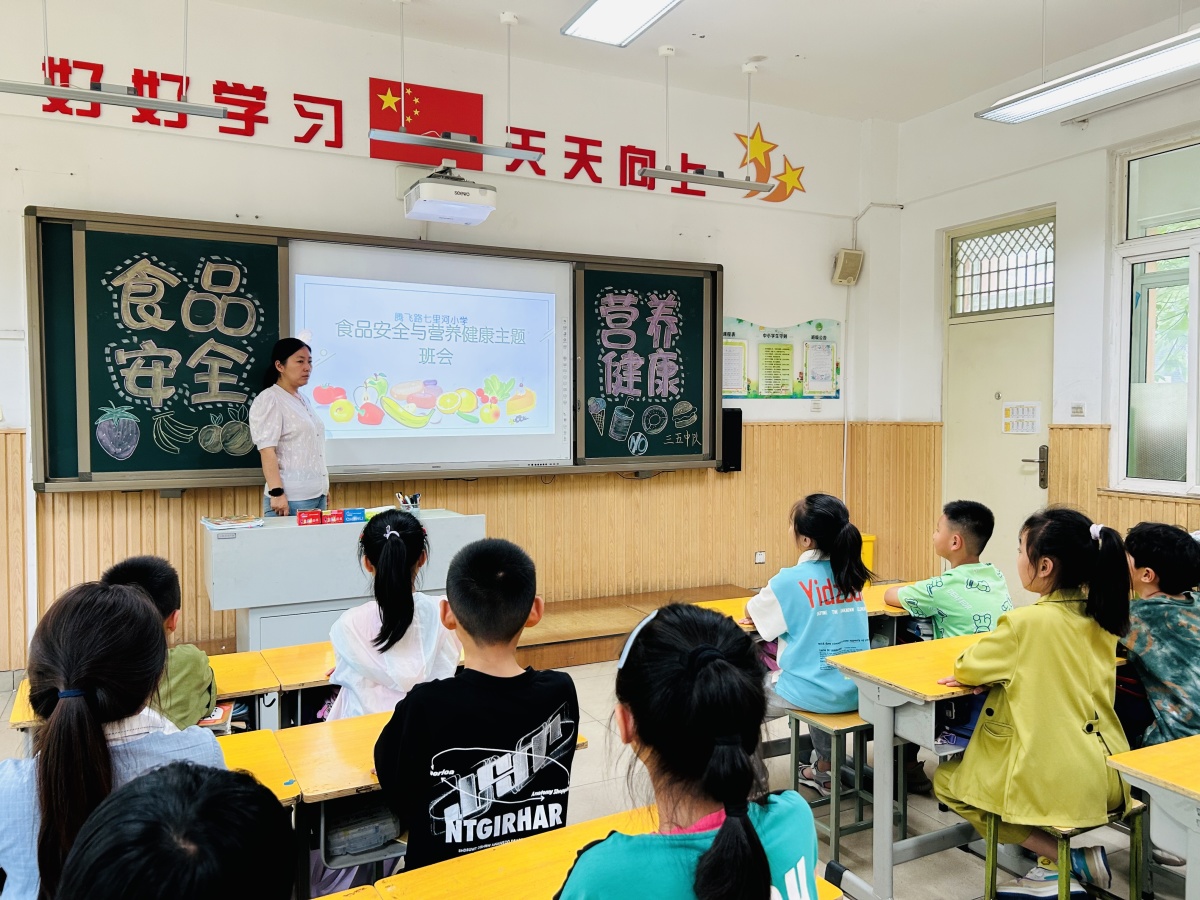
column 603, row 782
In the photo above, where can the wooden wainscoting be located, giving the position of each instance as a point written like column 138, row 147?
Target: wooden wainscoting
column 1078, row 465
column 1123, row 510
column 591, row 535
column 895, row 492
column 13, row 589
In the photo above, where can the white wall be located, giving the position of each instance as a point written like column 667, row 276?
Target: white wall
column 956, row 170
column 777, row 257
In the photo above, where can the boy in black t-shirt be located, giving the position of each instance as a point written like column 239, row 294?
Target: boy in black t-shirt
column 482, row 758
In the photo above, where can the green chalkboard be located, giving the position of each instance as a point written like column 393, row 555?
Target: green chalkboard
column 152, row 348
column 644, row 379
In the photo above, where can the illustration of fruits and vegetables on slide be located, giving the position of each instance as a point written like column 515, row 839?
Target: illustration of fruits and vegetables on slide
column 119, row 430
column 417, row 404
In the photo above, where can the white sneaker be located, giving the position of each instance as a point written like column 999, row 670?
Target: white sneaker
column 1038, row 882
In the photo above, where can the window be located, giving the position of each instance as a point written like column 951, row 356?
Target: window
column 1003, row 269
column 1159, row 263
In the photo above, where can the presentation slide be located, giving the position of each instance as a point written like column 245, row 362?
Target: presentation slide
column 426, row 360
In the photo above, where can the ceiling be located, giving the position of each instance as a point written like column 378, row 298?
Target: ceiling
column 861, row 59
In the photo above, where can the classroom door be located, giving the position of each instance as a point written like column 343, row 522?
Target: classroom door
column 997, row 412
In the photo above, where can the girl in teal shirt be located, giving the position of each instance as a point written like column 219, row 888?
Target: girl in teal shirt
column 690, row 702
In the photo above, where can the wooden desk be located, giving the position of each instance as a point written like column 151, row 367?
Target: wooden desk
column 735, row 608
column 531, row 867
column 242, row 675
column 301, row 666
column 333, row 759
column 1170, row 774
column 258, row 753
column 876, row 606
column 366, row 892
column 647, row 602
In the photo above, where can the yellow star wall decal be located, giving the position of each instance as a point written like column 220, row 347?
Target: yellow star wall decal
column 757, row 156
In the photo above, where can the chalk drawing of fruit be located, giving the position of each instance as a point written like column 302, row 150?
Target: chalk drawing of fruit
column 468, row 402
column 118, row 431
column 468, row 417
column 370, row 414
column 170, row 434
column 210, row 435
column 521, row 402
column 235, row 434
column 403, row 414
column 489, row 413
column 341, row 410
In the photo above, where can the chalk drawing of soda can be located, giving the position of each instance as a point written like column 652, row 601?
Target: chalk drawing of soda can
column 620, row 424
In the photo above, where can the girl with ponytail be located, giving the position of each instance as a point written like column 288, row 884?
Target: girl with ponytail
column 815, row 609
column 385, row 646
column 94, row 663
column 690, row 702
column 1038, row 755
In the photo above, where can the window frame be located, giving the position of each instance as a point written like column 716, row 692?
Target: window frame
column 1015, row 222
column 1128, row 254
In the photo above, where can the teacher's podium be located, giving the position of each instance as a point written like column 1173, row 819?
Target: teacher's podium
column 289, row 583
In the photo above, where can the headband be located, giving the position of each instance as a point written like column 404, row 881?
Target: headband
column 633, row 637
column 1095, row 531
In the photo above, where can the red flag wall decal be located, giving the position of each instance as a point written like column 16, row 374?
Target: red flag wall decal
column 427, row 110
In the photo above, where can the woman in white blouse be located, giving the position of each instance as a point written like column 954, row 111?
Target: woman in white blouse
column 289, row 435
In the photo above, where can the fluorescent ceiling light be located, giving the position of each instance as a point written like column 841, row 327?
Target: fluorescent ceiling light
column 710, row 177
column 453, row 142
column 113, row 95
column 1146, row 64
column 617, row 22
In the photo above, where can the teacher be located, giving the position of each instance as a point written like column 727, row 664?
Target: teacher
column 289, row 435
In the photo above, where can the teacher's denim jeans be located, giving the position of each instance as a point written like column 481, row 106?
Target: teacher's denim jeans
column 294, row 505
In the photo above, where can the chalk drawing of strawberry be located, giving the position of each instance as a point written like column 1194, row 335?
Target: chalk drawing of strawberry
column 118, row 431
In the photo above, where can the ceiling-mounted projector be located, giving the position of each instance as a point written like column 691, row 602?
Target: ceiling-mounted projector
column 446, row 197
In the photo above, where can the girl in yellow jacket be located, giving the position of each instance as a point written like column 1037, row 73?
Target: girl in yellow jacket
column 1037, row 757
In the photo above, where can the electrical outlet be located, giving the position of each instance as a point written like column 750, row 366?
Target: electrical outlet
column 1078, row 410
column 760, row 557
column 816, row 406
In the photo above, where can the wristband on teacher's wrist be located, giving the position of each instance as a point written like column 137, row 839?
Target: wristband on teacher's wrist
column 275, row 492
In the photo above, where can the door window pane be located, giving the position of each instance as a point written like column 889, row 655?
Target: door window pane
column 1164, row 192
column 1158, row 371
column 1011, row 268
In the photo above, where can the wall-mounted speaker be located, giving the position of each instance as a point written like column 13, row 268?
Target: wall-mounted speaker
column 731, row 441
column 847, row 267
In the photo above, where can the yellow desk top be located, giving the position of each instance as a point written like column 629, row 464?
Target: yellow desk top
column 22, row 715
column 301, row 666
column 333, row 759
column 531, row 867
column 873, row 598
column 366, row 892
column 735, row 609
column 912, row 669
column 258, row 753
column 1174, row 766
column 242, row 675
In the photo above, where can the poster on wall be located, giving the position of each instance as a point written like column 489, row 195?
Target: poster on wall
column 798, row 362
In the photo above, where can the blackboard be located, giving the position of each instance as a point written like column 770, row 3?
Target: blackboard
column 645, row 365
column 152, row 347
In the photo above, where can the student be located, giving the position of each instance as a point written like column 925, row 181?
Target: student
column 1038, row 755
column 815, row 609
column 968, row 598
column 184, row 832
column 95, row 659
column 690, row 702
column 188, row 691
column 386, row 646
column 1164, row 630
column 482, row 758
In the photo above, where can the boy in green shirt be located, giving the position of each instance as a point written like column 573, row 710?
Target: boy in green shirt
column 968, row 598
column 188, row 690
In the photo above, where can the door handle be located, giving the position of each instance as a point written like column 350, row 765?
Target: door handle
column 1043, row 463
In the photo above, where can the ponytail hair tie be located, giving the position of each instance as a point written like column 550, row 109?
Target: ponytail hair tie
column 729, row 740
column 388, row 533
column 701, row 656
column 737, row 810
column 68, row 694
column 1095, row 531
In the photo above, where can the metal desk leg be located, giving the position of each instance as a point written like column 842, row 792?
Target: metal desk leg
column 835, row 795
column 1192, row 889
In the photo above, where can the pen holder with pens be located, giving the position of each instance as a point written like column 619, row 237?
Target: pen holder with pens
column 408, row 504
